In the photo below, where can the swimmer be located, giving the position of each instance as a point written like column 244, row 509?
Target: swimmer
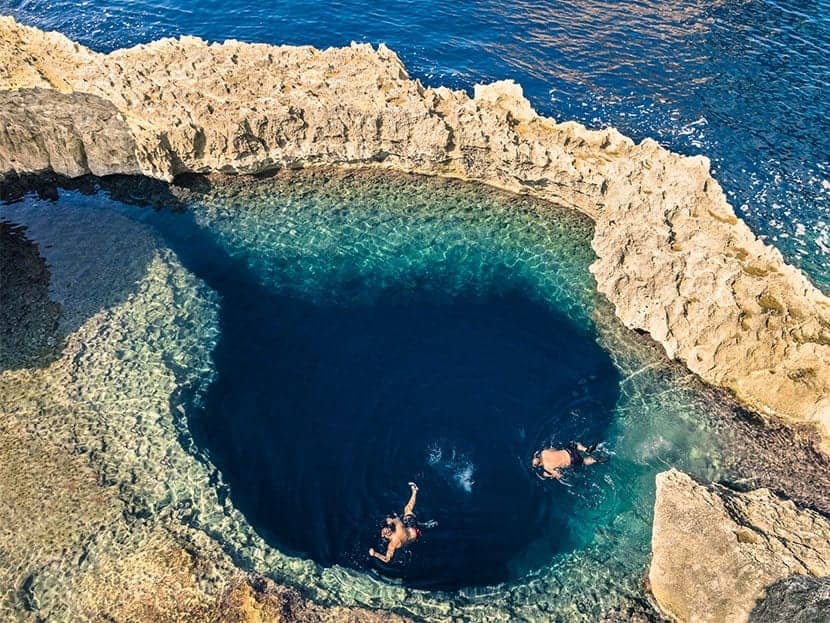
column 549, row 462
column 400, row 532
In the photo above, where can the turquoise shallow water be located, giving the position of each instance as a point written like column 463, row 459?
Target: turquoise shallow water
column 742, row 82
column 365, row 277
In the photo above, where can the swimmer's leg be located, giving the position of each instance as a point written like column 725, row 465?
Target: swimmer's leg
column 410, row 506
column 580, row 447
column 591, row 460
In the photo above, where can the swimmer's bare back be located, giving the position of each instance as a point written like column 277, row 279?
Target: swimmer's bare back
column 551, row 461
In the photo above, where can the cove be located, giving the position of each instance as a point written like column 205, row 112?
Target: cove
column 335, row 387
column 334, row 334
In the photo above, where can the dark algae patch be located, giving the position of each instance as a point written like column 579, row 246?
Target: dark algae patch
column 28, row 318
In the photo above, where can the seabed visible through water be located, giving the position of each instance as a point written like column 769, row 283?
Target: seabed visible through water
column 271, row 360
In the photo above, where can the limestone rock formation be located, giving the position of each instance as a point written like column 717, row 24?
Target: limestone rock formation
column 717, row 553
column 672, row 256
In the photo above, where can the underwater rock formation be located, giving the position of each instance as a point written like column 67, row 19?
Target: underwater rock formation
column 92, row 526
column 721, row 555
column 672, row 256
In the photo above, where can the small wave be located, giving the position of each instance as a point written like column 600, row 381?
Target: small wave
column 454, row 466
column 464, row 477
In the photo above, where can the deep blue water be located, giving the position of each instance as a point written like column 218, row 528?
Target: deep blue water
column 329, row 400
column 400, row 349
column 743, row 82
column 321, row 414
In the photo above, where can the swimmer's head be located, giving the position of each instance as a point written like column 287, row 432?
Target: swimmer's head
column 536, row 461
column 386, row 532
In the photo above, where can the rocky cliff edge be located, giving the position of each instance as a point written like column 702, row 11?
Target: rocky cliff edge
column 727, row 557
column 672, row 256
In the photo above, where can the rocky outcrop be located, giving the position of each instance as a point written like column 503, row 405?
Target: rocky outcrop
column 671, row 255
column 71, row 134
column 723, row 556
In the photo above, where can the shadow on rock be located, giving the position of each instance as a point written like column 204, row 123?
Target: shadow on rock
column 58, row 270
column 796, row 599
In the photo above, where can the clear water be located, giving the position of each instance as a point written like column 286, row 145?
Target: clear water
column 334, row 335
column 364, row 344
column 742, row 82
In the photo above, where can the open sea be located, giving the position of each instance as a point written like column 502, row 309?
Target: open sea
column 375, row 329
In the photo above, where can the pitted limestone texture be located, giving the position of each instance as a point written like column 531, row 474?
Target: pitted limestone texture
column 672, row 257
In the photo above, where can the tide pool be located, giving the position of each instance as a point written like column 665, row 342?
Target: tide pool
column 335, row 334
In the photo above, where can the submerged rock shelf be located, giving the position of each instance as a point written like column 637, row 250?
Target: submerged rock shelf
column 150, row 532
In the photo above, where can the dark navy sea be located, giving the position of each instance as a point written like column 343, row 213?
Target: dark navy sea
column 744, row 82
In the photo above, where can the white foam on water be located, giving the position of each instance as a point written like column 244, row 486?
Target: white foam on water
column 434, row 454
column 464, row 477
column 452, row 465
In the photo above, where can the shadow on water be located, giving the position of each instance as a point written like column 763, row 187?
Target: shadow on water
column 28, row 318
column 60, row 264
column 321, row 413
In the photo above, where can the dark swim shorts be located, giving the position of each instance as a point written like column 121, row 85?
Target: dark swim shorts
column 410, row 521
column 576, row 457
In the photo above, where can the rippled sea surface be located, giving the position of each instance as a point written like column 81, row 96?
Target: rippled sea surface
column 743, row 82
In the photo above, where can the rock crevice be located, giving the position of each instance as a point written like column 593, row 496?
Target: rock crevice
column 672, row 256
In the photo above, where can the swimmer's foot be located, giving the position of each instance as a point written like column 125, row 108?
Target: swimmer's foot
column 592, row 447
column 601, row 459
column 413, row 486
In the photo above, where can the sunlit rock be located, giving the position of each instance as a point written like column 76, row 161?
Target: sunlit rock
column 716, row 552
column 672, row 256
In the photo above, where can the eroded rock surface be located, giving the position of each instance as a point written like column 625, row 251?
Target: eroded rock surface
column 671, row 255
column 717, row 553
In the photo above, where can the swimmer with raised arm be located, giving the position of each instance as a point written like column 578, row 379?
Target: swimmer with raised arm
column 400, row 532
column 549, row 462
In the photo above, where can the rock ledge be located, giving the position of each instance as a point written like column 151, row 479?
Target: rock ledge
column 716, row 552
column 672, row 256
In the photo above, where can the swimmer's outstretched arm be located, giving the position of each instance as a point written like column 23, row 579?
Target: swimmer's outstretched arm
column 390, row 551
